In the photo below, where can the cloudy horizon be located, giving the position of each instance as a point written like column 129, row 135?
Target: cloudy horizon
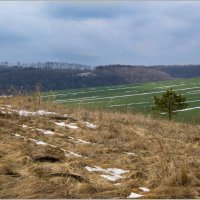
column 100, row 33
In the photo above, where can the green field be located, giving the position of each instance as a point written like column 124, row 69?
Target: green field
column 134, row 97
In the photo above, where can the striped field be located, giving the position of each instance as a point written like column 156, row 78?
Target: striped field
column 135, row 97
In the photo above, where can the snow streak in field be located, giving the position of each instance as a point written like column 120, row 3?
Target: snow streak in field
column 186, row 109
column 194, row 92
column 167, row 86
column 129, row 104
column 192, row 101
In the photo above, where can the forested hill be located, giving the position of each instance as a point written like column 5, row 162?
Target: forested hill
column 26, row 79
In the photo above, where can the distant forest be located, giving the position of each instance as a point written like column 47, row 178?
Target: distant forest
column 25, row 79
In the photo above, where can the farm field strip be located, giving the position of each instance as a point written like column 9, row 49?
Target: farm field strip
column 86, row 92
column 122, row 96
column 138, row 97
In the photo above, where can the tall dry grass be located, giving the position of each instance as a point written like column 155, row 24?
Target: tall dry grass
column 160, row 155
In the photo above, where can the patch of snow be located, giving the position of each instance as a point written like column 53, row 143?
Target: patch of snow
column 4, row 96
column 183, row 110
column 130, row 153
column 26, row 113
column 75, row 154
column 60, row 123
column 95, row 169
column 72, row 125
column 191, row 101
column 17, row 135
column 41, row 143
column 83, row 141
column 144, row 189
column 8, row 106
column 24, row 126
column 129, row 104
column 117, row 184
column 113, row 177
column 70, row 153
column 117, row 171
column 168, row 86
column 38, row 142
column 89, row 125
column 46, row 132
column 112, row 174
column 134, row 195
column 43, row 112
column 186, row 109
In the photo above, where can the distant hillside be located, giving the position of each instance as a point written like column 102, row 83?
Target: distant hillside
column 186, row 71
column 25, row 79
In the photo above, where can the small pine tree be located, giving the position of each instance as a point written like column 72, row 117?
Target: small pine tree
column 169, row 103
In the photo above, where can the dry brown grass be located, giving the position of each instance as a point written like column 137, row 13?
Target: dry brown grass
column 163, row 156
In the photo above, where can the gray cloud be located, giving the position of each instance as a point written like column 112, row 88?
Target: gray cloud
column 101, row 33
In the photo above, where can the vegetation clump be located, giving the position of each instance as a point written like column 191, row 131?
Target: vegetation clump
column 169, row 103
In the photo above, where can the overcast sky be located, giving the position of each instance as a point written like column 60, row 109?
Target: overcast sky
column 94, row 33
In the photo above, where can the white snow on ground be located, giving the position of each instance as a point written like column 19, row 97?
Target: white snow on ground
column 60, row 123
column 130, row 153
column 71, row 125
column 113, row 177
column 38, row 142
column 43, row 112
column 183, row 110
column 4, row 96
column 89, row 125
column 82, row 141
column 117, row 171
column 167, row 86
column 74, row 154
column 145, row 102
column 17, row 135
column 112, row 174
column 134, row 195
column 78, row 140
column 95, row 169
column 70, row 153
column 144, row 189
column 24, row 126
column 192, row 101
column 26, row 113
column 67, row 153
column 186, row 109
column 8, row 106
column 46, row 132
column 193, row 92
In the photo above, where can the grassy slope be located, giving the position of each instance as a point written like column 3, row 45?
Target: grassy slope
column 165, row 155
column 139, row 96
